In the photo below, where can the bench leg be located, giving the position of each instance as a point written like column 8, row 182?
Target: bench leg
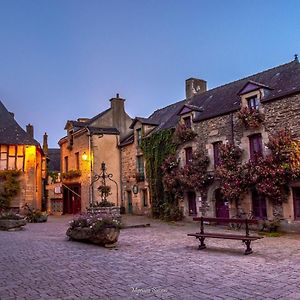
column 202, row 245
column 248, row 248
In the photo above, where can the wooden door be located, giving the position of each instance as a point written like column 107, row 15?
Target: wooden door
column 129, row 202
column 259, row 206
column 296, row 196
column 71, row 200
column 222, row 207
column 192, row 204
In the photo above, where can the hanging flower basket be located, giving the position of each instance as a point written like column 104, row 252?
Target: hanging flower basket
column 251, row 118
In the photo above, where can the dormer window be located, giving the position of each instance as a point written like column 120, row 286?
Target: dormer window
column 187, row 122
column 253, row 103
column 70, row 139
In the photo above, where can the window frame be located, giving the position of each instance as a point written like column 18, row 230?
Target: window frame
column 139, row 136
column 253, row 102
column 187, row 121
column 188, row 155
column 255, row 140
column 13, row 157
column 216, row 153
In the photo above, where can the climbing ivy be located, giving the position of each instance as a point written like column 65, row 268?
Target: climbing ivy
column 156, row 148
column 9, row 186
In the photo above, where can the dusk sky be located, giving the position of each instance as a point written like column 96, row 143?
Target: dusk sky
column 63, row 60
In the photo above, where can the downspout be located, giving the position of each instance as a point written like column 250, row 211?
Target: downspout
column 91, row 189
column 232, row 128
column 121, row 172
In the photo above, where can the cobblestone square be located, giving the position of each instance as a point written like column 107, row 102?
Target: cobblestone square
column 157, row 262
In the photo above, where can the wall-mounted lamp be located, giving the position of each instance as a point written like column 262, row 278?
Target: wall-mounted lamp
column 84, row 156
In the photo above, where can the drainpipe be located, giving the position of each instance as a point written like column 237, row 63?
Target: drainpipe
column 121, row 172
column 232, row 128
column 91, row 189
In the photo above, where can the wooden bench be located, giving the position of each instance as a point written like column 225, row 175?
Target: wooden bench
column 247, row 238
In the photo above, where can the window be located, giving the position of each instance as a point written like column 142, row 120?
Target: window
column 145, row 197
column 140, row 167
column 216, row 147
column 77, row 160
column 66, row 164
column 139, row 136
column 188, row 155
column 187, row 122
column 70, row 139
column 11, row 157
column 255, row 143
column 253, row 102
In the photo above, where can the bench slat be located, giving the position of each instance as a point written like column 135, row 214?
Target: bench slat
column 226, row 220
column 225, row 236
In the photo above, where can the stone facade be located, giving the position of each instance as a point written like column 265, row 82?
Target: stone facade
column 89, row 143
column 135, row 189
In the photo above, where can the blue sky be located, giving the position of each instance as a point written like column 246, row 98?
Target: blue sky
column 62, row 59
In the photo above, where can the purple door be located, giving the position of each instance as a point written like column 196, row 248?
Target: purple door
column 296, row 196
column 259, row 206
column 192, row 204
column 222, row 209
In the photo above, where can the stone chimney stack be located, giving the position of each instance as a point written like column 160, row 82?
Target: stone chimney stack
column 29, row 129
column 194, row 86
column 45, row 143
column 118, row 113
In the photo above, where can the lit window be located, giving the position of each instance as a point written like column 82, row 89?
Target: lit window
column 11, row 157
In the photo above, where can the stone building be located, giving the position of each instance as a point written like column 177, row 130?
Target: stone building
column 213, row 115
column 135, row 187
column 19, row 151
column 90, row 142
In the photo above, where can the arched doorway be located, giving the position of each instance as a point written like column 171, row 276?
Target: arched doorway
column 222, row 208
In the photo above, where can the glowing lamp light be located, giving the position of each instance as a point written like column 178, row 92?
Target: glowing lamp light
column 84, row 156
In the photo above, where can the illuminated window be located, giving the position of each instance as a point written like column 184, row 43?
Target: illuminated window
column 11, row 157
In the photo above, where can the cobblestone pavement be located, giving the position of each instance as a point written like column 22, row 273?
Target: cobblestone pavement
column 159, row 262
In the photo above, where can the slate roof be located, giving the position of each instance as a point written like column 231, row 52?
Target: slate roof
column 281, row 81
column 11, row 132
column 54, row 160
column 146, row 121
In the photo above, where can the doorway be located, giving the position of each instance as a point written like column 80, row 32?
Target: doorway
column 72, row 202
column 129, row 202
column 222, row 207
column 296, row 197
column 192, row 203
column 259, row 206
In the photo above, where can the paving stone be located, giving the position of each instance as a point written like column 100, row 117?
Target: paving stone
column 161, row 261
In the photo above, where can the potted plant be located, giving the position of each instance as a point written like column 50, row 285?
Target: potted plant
column 251, row 118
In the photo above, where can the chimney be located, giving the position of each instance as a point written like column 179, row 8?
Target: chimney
column 45, row 143
column 29, row 129
column 117, row 103
column 194, row 86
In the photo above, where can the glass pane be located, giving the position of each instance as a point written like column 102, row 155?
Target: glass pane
column 12, row 150
column 20, row 151
column 20, row 163
column 3, row 148
column 11, row 163
column 3, row 164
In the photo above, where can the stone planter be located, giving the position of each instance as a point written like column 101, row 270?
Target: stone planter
column 106, row 236
column 10, row 224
